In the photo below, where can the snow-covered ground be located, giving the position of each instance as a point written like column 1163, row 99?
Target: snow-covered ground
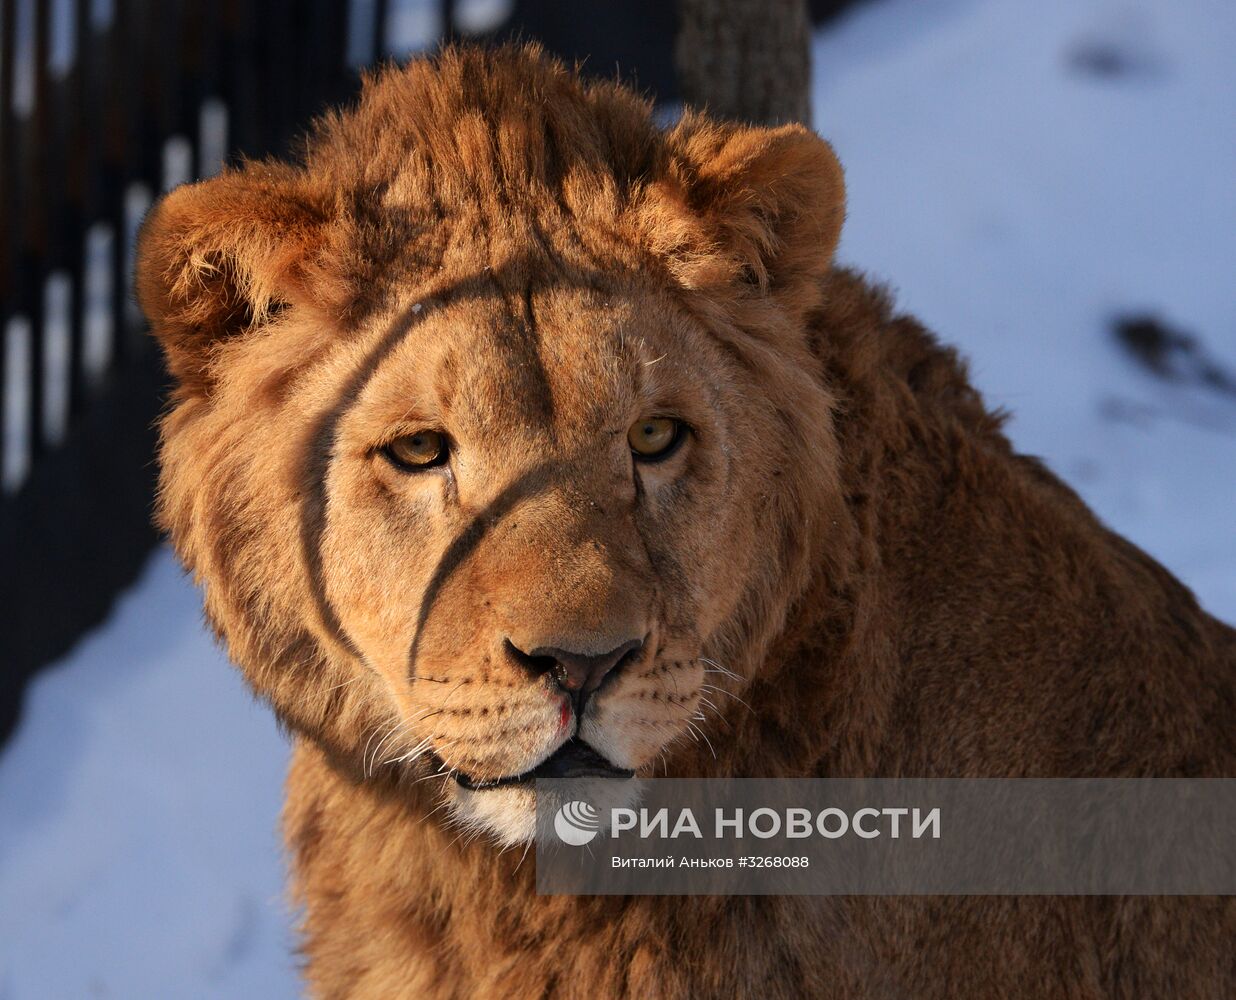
column 139, row 857
column 1019, row 172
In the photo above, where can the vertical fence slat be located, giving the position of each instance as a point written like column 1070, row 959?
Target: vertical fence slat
column 449, row 33
column 381, row 11
column 75, row 149
column 194, row 49
column 280, row 35
column 70, row 164
column 244, row 80
column 118, row 144
column 35, row 211
column 8, row 163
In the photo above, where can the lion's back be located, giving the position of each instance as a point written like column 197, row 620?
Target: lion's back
column 1027, row 637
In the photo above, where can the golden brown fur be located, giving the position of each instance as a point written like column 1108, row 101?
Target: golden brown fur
column 489, row 246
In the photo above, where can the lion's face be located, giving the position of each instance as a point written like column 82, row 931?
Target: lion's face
column 532, row 525
column 505, row 524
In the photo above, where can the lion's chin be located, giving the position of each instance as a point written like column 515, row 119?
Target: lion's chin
column 507, row 814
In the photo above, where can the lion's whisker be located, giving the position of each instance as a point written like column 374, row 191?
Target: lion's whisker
column 371, row 762
column 527, row 847
column 713, row 687
column 451, row 692
column 720, row 669
column 416, row 751
column 695, row 728
column 715, row 711
column 365, row 752
column 444, row 768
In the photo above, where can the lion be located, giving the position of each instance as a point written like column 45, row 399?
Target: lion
column 515, row 436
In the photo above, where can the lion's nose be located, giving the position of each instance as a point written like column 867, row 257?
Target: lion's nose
column 577, row 672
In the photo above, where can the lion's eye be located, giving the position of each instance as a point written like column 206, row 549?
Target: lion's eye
column 654, row 438
column 421, row 450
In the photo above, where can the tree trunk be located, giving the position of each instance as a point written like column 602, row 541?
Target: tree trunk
column 746, row 60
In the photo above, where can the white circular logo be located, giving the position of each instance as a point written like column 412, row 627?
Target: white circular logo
column 577, row 823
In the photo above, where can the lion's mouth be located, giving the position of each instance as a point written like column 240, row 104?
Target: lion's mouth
column 574, row 759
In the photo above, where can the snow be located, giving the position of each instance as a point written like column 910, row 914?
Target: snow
column 138, row 809
column 1022, row 173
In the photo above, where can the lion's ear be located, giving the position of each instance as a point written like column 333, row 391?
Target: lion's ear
column 219, row 257
column 769, row 203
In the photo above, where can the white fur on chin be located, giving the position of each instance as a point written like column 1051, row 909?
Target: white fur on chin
column 508, row 815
